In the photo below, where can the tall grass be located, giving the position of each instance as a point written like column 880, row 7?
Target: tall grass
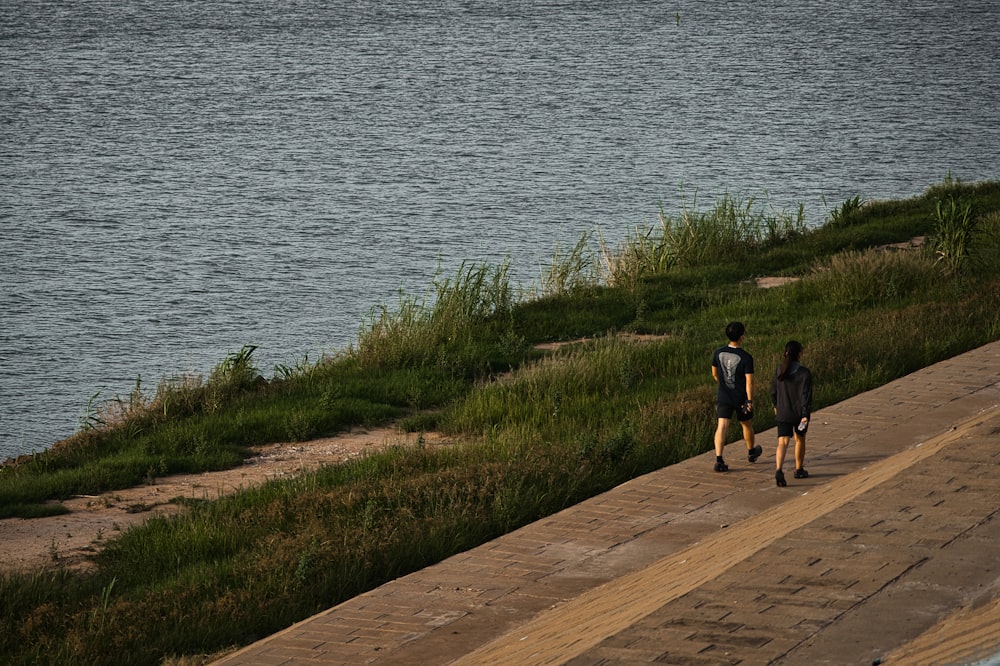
column 843, row 215
column 549, row 430
column 466, row 328
column 870, row 278
column 734, row 228
column 571, row 273
column 954, row 233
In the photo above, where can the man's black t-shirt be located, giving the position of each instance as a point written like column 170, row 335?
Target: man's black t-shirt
column 734, row 364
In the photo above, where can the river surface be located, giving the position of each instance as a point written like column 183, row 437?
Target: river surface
column 180, row 179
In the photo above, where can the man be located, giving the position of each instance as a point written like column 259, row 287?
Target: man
column 732, row 369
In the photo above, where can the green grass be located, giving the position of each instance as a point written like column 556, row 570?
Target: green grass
column 536, row 431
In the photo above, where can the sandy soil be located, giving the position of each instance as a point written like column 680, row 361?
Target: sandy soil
column 769, row 282
column 69, row 539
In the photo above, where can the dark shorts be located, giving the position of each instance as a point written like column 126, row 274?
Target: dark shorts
column 789, row 429
column 728, row 411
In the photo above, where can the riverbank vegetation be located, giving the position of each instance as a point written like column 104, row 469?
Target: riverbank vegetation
column 536, row 429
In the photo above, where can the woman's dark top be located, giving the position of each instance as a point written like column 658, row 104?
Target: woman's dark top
column 792, row 396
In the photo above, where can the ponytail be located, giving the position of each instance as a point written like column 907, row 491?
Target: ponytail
column 793, row 350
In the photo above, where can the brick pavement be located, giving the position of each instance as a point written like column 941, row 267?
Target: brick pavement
column 893, row 534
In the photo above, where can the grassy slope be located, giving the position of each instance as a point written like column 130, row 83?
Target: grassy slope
column 559, row 428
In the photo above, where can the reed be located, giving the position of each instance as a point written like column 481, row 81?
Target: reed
column 465, row 327
column 843, row 215
column 570, row 273
column 734, row 228
column 954, row 233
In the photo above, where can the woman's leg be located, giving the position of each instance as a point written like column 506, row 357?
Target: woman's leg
column 779, row 460
column 800, row 450
column 779, row 453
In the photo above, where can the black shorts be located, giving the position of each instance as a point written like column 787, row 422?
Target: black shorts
column 727, row 411
column 789, row 429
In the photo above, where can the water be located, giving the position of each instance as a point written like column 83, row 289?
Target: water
column 181, row 179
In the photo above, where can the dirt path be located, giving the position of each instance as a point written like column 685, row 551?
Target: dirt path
column 69, row 539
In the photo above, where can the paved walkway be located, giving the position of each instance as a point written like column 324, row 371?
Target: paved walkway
column 888, row 551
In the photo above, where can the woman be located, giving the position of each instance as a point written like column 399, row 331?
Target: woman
column 791, row 394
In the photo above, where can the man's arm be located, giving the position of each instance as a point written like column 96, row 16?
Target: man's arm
column 750, row 386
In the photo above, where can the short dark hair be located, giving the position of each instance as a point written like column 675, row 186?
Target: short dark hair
column 735, row 330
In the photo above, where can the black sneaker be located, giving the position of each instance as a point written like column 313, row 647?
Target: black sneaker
column 779, row 478
column 754, row 453
column 721, row 466
column 801, row 473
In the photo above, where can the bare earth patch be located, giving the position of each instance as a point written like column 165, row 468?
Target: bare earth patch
column 629, row 337
column 914, row 243
column 69, row 539
column 769, row 282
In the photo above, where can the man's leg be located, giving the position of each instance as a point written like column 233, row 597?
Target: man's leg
column 720, row 435
column 748, row 433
